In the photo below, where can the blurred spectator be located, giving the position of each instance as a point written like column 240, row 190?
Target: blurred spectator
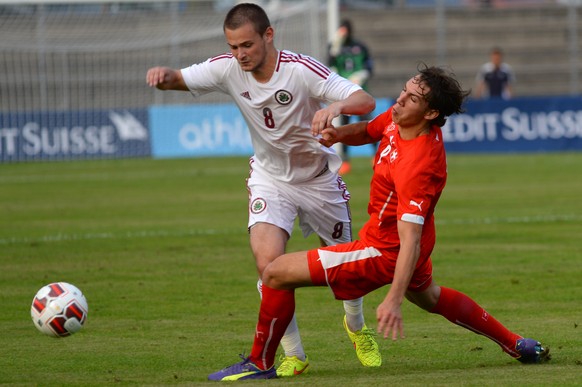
column 495, row 78
column 351, row 59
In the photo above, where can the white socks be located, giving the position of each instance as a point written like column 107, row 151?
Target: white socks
column 291, row 341
column 354, row 314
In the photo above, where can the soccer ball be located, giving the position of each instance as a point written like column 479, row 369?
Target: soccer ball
column 59, row 309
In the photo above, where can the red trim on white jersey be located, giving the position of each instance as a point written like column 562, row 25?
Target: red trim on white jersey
column 307, row 61
column 226, row 55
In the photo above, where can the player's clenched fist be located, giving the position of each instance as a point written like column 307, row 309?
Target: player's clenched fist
column 328, row 137
column 165, row 78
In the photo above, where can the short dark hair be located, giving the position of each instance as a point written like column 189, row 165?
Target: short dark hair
column 348, row 25
column 445, row 94
column 245, row 13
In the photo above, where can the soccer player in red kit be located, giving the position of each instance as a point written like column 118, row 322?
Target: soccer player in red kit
column 396, row 243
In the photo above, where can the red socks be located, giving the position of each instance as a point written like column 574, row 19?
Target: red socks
column 462, row 310
column 277, row 308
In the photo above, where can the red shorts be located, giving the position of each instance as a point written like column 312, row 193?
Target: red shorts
column 353, row 269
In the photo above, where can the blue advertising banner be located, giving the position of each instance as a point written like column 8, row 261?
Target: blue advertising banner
column 208, row 130
column 199, row 130
column 74, row 135
column 518, row 125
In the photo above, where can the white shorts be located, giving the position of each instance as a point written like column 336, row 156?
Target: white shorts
column 322, row 205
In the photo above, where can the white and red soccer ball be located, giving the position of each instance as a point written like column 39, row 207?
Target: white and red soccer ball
column 59, row 309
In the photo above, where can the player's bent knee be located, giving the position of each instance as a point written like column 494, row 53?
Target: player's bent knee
column 288, row 271
column 278, row 275
column 272, row 276
column 262, row 261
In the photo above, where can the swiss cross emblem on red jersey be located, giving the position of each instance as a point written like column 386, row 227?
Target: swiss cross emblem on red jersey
column 394, row 151
column 393, row 155
column 389, row 151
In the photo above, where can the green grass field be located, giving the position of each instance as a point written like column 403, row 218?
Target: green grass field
column 161, row 251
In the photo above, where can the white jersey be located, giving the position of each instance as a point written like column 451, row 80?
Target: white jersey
column 279, row 112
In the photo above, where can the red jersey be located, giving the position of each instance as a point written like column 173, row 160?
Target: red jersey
column 409, row 176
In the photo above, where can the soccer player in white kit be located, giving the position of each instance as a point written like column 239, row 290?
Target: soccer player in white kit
column 281, row 95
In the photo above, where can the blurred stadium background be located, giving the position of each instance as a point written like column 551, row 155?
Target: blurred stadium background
column 62, row 62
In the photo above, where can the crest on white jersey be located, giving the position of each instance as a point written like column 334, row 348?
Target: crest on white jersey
column 283, row 97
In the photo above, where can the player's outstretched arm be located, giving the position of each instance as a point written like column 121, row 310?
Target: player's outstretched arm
column 358, row 103
column 352, row 134
column 165, row 78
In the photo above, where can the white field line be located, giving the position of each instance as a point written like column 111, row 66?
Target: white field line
column 515, row 219
column 62, row 237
